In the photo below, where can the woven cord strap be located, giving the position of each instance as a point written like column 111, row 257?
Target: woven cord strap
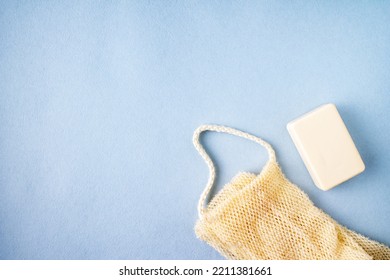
column 209, row 162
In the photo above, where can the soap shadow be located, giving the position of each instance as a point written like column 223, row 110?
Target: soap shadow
column 359, row 135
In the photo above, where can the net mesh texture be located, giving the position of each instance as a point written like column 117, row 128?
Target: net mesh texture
column 265, row 216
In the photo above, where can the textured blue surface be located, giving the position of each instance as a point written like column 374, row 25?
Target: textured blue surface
column 98, row 103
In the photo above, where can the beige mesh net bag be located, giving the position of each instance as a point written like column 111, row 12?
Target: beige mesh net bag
column 265, row 216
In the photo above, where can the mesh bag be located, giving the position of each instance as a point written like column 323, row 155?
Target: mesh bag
column 265, row 216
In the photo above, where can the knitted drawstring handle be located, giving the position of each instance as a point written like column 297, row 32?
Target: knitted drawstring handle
column 209, row 162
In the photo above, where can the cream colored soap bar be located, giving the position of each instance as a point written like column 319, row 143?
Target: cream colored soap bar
column 326, row 147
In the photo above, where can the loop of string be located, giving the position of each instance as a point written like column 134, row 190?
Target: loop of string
column 209, row 162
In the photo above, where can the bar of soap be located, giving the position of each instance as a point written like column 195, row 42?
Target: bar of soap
column 326, row 147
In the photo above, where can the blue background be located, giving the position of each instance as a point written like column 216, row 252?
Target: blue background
column 99, row 100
